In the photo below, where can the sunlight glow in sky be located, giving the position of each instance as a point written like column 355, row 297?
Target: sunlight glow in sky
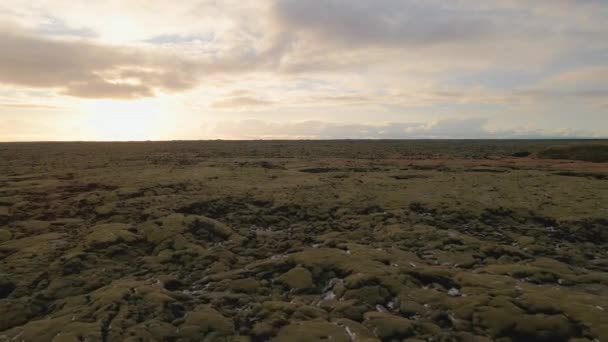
column 207, row 69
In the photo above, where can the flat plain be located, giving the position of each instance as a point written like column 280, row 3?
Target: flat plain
column 304, row 241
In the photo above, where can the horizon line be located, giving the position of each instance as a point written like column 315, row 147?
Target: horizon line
column 309, row 140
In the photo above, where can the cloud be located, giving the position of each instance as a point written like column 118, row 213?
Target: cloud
column 97, row 87
column 455, row 128
column 432, row 34
column 176, row 39
column 127, row 21
column 54, row 27
column 277, row 39
column 585, row 77
column 244, row 100
column 384, row 22
column 468, row 128
column 29, row 106
column 241, row 103
column 412, row 97
column 257, row 129
column 84, row 69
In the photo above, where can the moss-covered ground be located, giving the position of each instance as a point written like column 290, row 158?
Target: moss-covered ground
column 302, row 241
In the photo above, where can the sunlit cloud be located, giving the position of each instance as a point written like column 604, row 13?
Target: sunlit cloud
column 85, row 69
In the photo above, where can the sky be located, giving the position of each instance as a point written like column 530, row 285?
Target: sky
column 302, row 69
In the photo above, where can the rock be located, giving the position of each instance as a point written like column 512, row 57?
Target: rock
column 381, row 308
column 329, row 295
column 454, row 292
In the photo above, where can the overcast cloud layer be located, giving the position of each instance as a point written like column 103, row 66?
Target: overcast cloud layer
column 156, row 69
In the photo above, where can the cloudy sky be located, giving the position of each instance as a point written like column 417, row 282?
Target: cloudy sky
column 234, row 69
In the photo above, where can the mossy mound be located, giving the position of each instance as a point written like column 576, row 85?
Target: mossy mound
column 206, row 324
column 298, row 278
column 312, row 331
column 108, row 234
column 389, row 327
column 5, row 235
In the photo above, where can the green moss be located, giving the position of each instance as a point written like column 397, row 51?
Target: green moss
column 298, row 278
column 498, row 321
column 410, row 308
column 355, row 281
column 4, row 213
column 526, row 248
column 205, row 322
column 108, row 234
column 312, row 331
column 5, row 235
column 544, row 328
column 358, row 330
column 263, row 330
column 152, row 330
column 245, row 285
column 388, row 327
column 350, row 309
column 369, row 295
